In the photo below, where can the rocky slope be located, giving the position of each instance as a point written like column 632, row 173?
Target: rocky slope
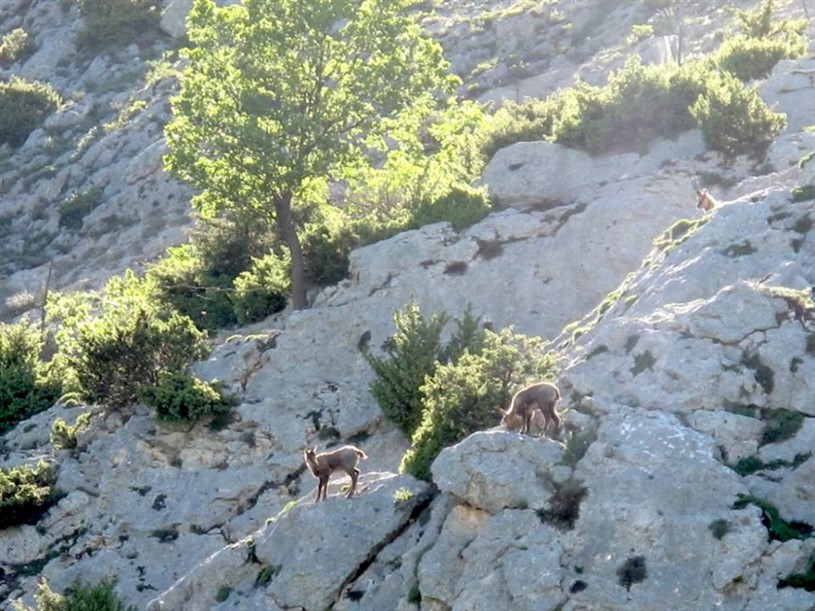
column 670, row 382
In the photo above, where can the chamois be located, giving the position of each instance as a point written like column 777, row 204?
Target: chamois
column 704, row 201
column 322, row 465
column 542, row 397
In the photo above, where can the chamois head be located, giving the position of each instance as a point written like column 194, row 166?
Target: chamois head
column 704, row 200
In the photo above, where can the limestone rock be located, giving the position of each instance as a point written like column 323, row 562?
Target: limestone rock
column 499, row 469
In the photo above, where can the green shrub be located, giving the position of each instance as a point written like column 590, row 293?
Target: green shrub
column 130, row 343
column 63, row 435
column 77, row 206
column 261, row 291
column 463, row 397
column 640, row 103
column 734, row 119
column 27, row 385
column 26, row 493
column 326, row 247
column 197, row 278
column 759, row 23
column 23, row 107
column 116, row 22
column 462, row 207
column 79, row 596
column 412, row 354
column 15, row 46
column 180, row 397
column 753, row 58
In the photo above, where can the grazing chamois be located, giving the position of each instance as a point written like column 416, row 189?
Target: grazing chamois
column 704, row 201
column 542, row 397
column 322, row 465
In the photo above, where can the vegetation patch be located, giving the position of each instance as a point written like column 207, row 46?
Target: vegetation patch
column 563, row 508
column 578, row 444
column 78, row 205
column 752, row 464
column 266, row 574
column 27, row 384
column 632, row 571
column 23, row 107
column 741, row 249
column 804, row 580
column 79, row 596
column 803, row 193
column 764, row 375
column 63, row 435
column 777, row 528
column 181, row 397
column 719, row 528
column 780, row 424
column 26, row 493
column 643, row 361
column 677, row 233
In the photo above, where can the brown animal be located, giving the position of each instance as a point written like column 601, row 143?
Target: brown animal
column 542, row 397
column 704, row 200
column 322, row 465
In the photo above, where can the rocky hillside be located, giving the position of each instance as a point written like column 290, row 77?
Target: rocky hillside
column 687, row 340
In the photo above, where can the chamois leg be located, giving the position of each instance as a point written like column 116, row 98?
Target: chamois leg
column 354, row 473
column 322, row 488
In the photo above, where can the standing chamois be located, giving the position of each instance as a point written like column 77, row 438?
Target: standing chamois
column 542, row 397
column 322, row 465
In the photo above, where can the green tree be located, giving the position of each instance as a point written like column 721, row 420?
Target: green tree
column 278, row 95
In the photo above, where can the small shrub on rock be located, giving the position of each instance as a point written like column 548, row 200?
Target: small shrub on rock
column 180, row 397
column 23, row 107
column 26, row 493
column 63, row 435
column 79, row 596
column 15, row 46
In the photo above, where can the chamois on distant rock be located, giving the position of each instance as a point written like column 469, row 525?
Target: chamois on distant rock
column 322, row 465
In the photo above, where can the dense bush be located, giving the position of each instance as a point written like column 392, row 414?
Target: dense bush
column 734, row 119
column 15, row 46
column 27, row 385
column 26, row 493
column 412, row 354
column 640, row 103
column 23, row 107
column 116, row 22
column 79, row 596
column 197, row 278
column 129, row 343
column 180, row 397
column 754, row 58
column 462, row 207
column 261, row 291
column 463, row 397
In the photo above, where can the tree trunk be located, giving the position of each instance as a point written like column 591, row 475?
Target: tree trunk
column 285, row 223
